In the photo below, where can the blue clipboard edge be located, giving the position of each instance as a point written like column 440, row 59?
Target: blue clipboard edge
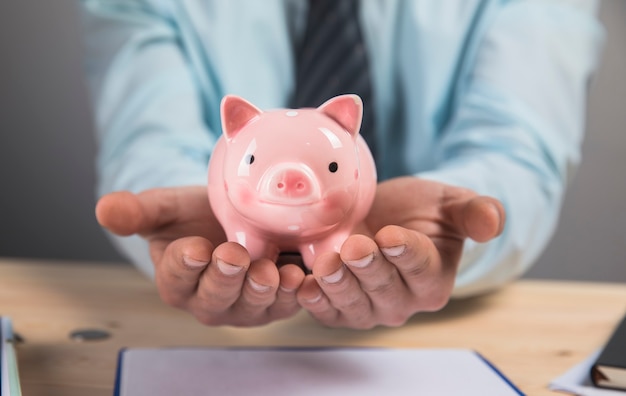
column 500, row 374
column 118, row 371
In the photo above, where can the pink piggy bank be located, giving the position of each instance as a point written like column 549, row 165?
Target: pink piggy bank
column 291, row 180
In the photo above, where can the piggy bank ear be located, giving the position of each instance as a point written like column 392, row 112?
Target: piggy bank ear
column 236, row 112
column 347, row 110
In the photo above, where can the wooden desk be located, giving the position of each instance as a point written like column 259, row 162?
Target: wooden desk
column 531, row 330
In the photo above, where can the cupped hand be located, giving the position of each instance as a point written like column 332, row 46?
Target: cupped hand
column 406, row 259
column 195, row 268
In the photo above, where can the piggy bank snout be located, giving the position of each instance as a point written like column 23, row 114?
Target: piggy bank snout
column 290, row 184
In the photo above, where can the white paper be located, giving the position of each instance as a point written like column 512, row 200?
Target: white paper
column 308, row 372
column 577, row 381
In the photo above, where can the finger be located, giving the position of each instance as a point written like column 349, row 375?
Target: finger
column 378, row 277
column 343, row 291
column 286, row 304
column 125, row 213
column 258, row 293
column 221, row 284
column 420, row 265
column 179, row 268
column 311, row 297
column 480, row 218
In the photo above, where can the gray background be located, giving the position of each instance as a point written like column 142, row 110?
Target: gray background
column 47, row 151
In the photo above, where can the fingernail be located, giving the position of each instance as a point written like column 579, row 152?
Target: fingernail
column 257, row 286
column 361, row 263
column 193, row 263
column 497, row 210
column 394, row 251
column 314, row 299
column 334, row 277
column 285, row 289
column 228, row 269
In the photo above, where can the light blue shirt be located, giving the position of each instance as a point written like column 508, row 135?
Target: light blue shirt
column 489, row 95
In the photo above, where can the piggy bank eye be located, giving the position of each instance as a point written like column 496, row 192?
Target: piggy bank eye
column 249, row 159
column 332, row 167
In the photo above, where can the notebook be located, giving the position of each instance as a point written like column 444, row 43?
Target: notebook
column 609, row 370
column 307, row 372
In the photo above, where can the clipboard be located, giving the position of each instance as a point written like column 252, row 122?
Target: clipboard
column 308, row 372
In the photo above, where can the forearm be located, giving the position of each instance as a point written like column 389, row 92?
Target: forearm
column 517, row 130
column 150, row 124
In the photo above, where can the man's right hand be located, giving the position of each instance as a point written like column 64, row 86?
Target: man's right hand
column 195, row 268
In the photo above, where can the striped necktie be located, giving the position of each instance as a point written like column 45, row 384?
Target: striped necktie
column 332, row 60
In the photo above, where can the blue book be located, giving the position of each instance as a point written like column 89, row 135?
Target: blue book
column 308, row 372
column 9, row 378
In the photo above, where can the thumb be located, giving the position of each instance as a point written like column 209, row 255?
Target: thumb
column 480, row 218
column 121, row 212
column 125, row 213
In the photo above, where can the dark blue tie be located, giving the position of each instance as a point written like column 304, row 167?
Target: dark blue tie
column 332, row 60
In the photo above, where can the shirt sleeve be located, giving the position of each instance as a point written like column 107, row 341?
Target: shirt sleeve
column 518, row 127
column 147, row 108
